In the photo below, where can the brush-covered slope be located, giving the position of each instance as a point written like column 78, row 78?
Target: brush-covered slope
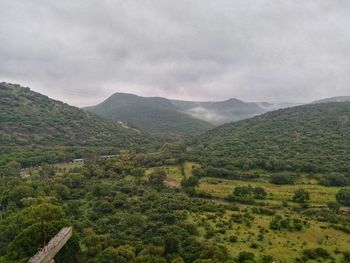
column 308, row 138
column 153, row 114
column 29, row 118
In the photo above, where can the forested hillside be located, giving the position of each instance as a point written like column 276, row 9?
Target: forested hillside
column 310, row 138
column 156, row 115
column 29, row 119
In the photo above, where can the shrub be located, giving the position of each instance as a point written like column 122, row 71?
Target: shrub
column 343, row 196
column 281, row 179
column 233, row 239
column 192, row 181
column 245, row 257
column 316, row 253
column 334, row 206
column 301, row 196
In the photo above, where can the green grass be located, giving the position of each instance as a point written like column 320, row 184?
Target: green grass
column 221, row 188
column 283, row 245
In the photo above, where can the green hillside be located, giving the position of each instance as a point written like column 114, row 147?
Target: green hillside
column 29, row 119
column 308, row 138
column 152, row 114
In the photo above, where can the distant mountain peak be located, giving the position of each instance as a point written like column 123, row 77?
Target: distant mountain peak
column 154, row 114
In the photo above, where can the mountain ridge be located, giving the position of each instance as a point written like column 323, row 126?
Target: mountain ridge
column 156, row 115
column 162, row 115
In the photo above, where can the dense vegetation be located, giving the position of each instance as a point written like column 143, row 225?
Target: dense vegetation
column 31, row 122
column 114, row 215
column 122, row 211
column 310, row 138
column 155, row 115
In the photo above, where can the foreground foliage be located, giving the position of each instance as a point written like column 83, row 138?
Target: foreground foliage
column 122, row 211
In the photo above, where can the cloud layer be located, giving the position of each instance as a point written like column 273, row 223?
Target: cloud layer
column 81, row 51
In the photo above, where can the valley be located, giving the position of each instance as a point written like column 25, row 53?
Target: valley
column 271, row 188
column 175, row 131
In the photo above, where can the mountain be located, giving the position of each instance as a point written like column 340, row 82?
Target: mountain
column 219, row 112
column 153, row 114
column 161, row 115
column 28, row 118
column 310, row 138
column 334, row 99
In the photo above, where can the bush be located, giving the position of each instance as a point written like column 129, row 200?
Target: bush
column 245, row 257
column 316, row 253
column 233, row 239
column 346, row 256
column 343, row 197
column 301, row 196
column 335, row 180
column 246, row 194
column 156, row 179
column 280, row 223
column 192, row 181
column 334, row 206
column 281, row 179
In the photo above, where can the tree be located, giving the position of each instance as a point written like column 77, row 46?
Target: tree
column 301, row 196
column 93, row 242
column 47, row 170
column 156, row 179
column 334, row 206
column 343, row 196
column 138, row 172
column 18, row 193
column 260, row 193
column 122, row 254
column 62, row 191
column 244, row 257
column 13, row 168
column 281, row 179
column 150, row 259
column 172, row 245
column 216, row 253
column 243, row 191
column 192, row 181
column 335, row 179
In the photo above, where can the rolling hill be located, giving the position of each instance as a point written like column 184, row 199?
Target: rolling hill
column 310, row 138
column 29, row 119
column 153, row 114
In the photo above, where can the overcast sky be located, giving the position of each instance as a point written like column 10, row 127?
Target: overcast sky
column 82, row 51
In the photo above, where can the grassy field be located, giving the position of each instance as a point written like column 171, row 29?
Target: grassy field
column 254, row 235
column 221, row 188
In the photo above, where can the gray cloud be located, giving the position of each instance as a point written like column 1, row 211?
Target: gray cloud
column 81, row 51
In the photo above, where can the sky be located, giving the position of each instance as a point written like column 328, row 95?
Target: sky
column 82, row 51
